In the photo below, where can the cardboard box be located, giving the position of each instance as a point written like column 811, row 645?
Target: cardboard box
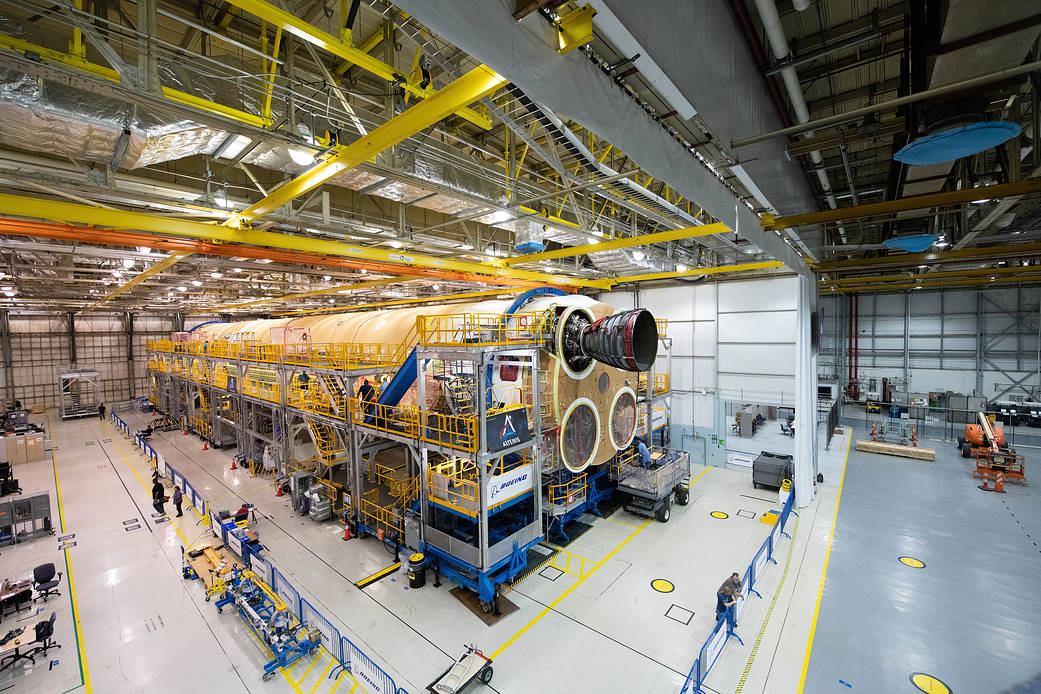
column 38, row 408
column 16, row 449
column 35, row 447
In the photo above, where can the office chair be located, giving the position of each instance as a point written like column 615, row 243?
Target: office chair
column 44, row 636
column 45, row 582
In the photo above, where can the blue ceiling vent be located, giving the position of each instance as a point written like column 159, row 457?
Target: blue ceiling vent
column 916, row 243
column 958, row 142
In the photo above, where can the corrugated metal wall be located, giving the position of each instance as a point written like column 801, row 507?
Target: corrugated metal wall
column 957, row 339
column 40, row 344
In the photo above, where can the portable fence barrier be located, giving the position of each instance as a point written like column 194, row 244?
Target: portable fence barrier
column 724, row 629
column 371, row 678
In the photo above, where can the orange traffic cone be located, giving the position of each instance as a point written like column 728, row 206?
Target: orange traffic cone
column 279, row 492
column 185, row 432
column 346, row 532
column 914, row 438
column 205, row 445
column 874, row 432
column 233, row 465
column 999, row 483
column 984, row 486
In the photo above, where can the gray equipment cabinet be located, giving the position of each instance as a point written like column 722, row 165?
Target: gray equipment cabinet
column 25, row 517
column 771, row 469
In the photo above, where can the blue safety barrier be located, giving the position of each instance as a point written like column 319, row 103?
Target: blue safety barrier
column 369, row 675
column 285, row 590
column 372, row 678
column 313, row 619
column 725, row 626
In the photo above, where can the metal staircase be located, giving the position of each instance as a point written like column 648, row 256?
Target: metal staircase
column 461, row 395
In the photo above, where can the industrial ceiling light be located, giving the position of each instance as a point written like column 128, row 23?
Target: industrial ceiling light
column 7, row 289
column 196, row 283
column 117, row 273
column 956, row 129
column 331, row 301
column 394, row 244
column 182, row 289
column 216, row 275
column 638, row 255
column 263, row 260
column 680, row 267
column 466, row 247
column 8, row 293
column 238, row 269
column 326, row 278
column 128, row 263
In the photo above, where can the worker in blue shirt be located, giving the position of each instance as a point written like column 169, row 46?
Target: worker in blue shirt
column 644, row 452
column 724, row 599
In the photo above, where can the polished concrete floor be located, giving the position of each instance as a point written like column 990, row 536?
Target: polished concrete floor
column 590, row 622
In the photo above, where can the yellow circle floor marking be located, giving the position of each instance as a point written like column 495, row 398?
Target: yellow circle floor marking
column 719, row 514
column 662, row 586
column 929, row 684
column 912, row 562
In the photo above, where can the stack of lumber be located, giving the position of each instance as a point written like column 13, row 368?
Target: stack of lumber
column 896, row 449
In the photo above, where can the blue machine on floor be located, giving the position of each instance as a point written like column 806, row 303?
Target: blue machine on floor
column 504, row 521
column 270, row 620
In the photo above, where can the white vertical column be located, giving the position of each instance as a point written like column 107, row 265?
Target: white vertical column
column 805, row 395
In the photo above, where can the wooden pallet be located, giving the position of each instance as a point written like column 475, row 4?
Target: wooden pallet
column 896, row 449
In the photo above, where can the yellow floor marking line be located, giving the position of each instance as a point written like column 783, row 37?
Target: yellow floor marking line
column 294, row 685
column 631, row 525
column 353, row 688
column 80, row 645
column 337, row 682
column 824, row 574
column 322, row 678
column 308, row 670
column 549, row 608
column 770, row 611
column 582, row 561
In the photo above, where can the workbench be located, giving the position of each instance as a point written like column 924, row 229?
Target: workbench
column 211, row 563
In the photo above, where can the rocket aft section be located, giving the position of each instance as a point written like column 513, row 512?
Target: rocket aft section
column 590, row 358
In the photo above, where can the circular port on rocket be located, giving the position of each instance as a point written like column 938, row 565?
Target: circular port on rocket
column 621, row 421
column 579, row 434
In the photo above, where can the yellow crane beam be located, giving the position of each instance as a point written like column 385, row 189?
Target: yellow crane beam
column 472, row 86
column 719, row 269
column 628, row 242
column 327, row 42
column 141, row 277
column 914, row 202
column 398, row 302
column 930, row 276
column 1033, row 277
column 304, row 295
column 78, row 214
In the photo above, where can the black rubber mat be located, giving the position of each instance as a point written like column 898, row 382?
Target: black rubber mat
column 573, row 530
column 609, row 505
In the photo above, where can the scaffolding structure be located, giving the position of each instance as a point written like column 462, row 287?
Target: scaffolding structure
column 79, row 391
column 452, row 453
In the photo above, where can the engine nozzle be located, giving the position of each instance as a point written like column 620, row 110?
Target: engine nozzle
column 626, row 340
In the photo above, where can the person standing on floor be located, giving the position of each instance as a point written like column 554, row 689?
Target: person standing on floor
column 101, row 411
column 735, row 585
column 177, row 499
column 724, row 599
column 158, row 496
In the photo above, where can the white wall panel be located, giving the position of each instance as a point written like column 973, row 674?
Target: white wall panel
column 672, row 303
column 705, row 302
column 765, row 359
column 757, row 327
column 619, row 299
column 758, row 295
column 705, row 338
